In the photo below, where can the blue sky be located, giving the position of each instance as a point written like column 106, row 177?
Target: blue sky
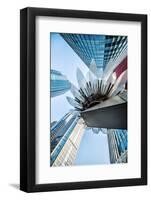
column 94, row 147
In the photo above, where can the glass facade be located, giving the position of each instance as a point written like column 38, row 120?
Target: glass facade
column 60, row 133
column 59, row 83
column 117, row 142
column 99, row 48
column 71, row 143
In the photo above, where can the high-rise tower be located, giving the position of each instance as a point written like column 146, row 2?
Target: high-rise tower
column 101, row 48
column 59, row 83
column 117, row 142
column 66, row 136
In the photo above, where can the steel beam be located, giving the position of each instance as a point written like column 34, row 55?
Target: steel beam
column 111, row 115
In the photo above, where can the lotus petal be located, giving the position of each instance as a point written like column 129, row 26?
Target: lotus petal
column 113, row 63
column 75, row 92
column 90, row 76
column 93, row 67
column 119, row 84
column 73, row 103
column 80, row 78
column 112, row 78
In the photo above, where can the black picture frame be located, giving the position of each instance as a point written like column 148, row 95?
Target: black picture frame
column 28, row 99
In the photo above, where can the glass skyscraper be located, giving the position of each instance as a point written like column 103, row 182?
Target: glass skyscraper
column 62, row 134
column 101, row 48
column 59, row 83
column 67, row 155
column 117, row 142
column 59, row 128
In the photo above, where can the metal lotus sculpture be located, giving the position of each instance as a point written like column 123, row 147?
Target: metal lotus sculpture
column 94, row 89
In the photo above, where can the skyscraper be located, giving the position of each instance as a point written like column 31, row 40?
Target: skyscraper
column 101, row 48
column 117, row 142
column 67, row 155
column 65, row 134
column 58, row 130
column 59, row 83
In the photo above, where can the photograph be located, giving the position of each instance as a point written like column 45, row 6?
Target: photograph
column 88, row 99
column 83, row 99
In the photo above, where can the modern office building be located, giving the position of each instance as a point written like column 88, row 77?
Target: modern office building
column 67, row 155
column 65, row 135
column 100, row 48
column 58, row 130
column 117, row 142
column 59, row 83
column 53, row 123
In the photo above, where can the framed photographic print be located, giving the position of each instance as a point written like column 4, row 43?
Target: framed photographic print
column 83, row 99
